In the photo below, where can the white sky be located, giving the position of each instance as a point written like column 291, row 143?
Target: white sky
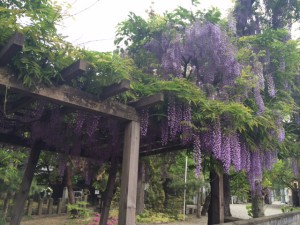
column 96, row 26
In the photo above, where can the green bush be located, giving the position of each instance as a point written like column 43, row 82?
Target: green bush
column 78, row 209
column 2, row 220
column 154, row 217
column 249, row 210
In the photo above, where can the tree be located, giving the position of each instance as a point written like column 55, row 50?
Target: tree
column 11, row 163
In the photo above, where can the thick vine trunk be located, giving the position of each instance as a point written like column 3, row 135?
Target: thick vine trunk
column 245, row 24
column 227, row 195
column 206, row 205
column 109, row 192
column 216, row 206
column 257, row 206
column 295, row 196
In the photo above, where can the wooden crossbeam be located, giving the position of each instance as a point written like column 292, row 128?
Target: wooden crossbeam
column 148, row 101
column 13, row 140
column 13, row 46
column 115, row 89
column 74, row 70
column 162, row 149
column 71, row 97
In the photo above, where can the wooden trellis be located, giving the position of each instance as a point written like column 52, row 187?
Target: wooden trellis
column 72, row 99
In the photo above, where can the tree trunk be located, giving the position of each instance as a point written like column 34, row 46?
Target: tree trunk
column 257, row 206
column 109, row 191
column 295, row 196
column 22, row 195
column 298, row 164
column 199, row 202
column 68, row 177
column 140, row 187
column 227, row 195
column 216, row 206
column 6, row 204
column 206, row 205
column 246, row 25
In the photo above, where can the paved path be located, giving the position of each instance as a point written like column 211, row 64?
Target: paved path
column 237, row 210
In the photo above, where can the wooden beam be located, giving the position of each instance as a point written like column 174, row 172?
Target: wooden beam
column 22, row 195
column 129, row 174
column 115, row 89
column 71, row 97
column 13, row 46
column 148, row 101
column 163, row 149
column 14, row 140
column 74, row 70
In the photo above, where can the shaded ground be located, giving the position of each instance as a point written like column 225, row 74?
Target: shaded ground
column 237, row 210
column 58, row 220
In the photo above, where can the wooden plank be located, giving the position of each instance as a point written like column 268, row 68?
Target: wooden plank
column 115, row 89
column 71, row 97
column 129, row 174
column 148, row 101
column 14, row 45
column 22, row 195
column 162, row 149
column 74, row 70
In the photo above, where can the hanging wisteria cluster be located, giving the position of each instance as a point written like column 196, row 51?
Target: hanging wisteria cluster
column 204, row 47
column 144, row 115
column 178, row 123
column 76, row 134
column 197, row 154
column 231, row 149
column 259, row 161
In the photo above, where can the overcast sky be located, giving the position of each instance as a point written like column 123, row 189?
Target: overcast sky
column 95, row 27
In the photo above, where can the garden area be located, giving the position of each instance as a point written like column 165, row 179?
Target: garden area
column 193, row 114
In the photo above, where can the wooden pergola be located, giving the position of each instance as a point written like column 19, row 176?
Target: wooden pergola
column 72, row 99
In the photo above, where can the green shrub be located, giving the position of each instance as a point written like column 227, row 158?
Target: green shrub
column 249, row 210
column 153, row 217
column 78, row 209
column 2, row 220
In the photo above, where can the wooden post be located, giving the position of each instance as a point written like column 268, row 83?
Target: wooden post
column 216, row 207
column 109, row 191
column 21, row 198
column 140, row 186
column 50, row 206
column 29, row 207
column 129, row 174
column 40, row 206
column 59, row 205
